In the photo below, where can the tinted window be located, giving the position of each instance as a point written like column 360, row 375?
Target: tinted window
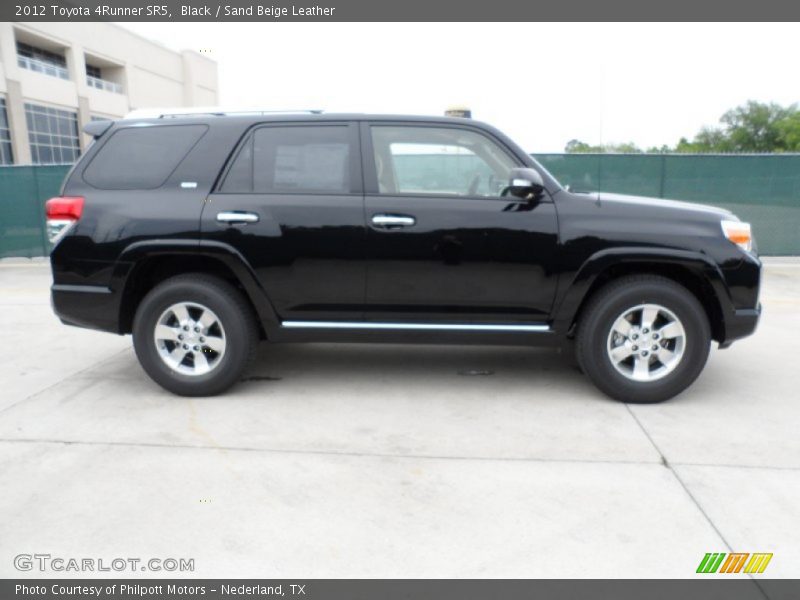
column 138, row 158
column 240, row 176
column 433, row 160
column 292, row 159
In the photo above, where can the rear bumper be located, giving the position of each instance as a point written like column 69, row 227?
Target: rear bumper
column 93, row 307
column 740, row 323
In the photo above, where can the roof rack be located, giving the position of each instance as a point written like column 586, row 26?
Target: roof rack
column 216, row 111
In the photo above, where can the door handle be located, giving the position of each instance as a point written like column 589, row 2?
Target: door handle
column 393, row 221
column 236, row 216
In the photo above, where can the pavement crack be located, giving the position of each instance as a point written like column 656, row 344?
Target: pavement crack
column 729, row 466
column 333, row 453
column 665, row 462
column 689, row 493
column 60, row 381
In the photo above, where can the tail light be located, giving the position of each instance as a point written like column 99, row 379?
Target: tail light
column 62, row 213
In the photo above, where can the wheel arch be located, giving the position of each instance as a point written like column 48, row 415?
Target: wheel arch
column 695, row 272
column 142, row 266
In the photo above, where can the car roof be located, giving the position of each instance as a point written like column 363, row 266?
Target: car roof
column 266, row 117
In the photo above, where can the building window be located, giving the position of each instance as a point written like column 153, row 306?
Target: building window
column 53, row 134
column 41, row 61
column 93, row 71
column 94, row 78
column 6, row 157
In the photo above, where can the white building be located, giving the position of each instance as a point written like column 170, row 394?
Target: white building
column 55, row 77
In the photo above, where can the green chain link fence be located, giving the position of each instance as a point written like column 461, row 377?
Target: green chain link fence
column 761, row 189
column 23, row 192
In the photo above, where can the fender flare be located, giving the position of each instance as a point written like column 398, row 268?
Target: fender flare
column 570, row 300
column 225, row 253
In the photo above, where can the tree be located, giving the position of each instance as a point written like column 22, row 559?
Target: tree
column 789, row 132
column 751, row 127
column 755, row 127
column 577, row 147
column 708, row 140
column 663, row 149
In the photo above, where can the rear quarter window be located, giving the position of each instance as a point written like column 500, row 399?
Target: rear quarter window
column 141, row 158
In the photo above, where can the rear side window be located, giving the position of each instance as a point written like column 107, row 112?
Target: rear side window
column 294, row 159
column 141, row 158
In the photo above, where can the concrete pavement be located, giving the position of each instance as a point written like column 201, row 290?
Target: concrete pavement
column 394, row 461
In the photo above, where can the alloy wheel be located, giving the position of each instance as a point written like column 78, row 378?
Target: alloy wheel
column 646, row 342
column 190, row 338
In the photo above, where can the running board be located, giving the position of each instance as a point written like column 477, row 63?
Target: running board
column 538, row 327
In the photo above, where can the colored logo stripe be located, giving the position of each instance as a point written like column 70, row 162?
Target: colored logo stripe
column 710, row 562
column 758, row 562
column 735, row 561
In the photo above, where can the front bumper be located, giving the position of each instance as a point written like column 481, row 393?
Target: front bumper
column 741, row 323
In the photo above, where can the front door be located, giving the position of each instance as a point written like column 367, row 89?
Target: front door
column 291, row 204
column 443, row 244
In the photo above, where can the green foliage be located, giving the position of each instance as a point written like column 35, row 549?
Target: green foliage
column 789, row 132
column 755, row 127
column 751, row 127
column 577, row 147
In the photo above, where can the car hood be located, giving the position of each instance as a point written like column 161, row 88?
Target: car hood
column 680, row 205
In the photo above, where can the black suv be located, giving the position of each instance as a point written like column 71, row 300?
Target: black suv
column 202, row 234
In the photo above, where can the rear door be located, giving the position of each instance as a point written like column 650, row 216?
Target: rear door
column 443, row 244
column 291, row 203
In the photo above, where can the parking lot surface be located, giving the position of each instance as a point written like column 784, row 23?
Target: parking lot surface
column 394, row 461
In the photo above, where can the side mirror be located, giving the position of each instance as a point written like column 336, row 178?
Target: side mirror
column 525, row 183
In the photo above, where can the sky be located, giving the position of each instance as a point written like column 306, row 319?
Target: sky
column 542, row 84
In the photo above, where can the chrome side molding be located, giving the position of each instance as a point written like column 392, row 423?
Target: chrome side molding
column 533, row 327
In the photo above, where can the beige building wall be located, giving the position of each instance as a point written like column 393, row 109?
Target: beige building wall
column 141, row 74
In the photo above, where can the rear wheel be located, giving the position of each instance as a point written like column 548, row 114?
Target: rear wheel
column 643, row 338
column 194, row 335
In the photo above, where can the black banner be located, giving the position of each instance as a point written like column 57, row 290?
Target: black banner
column 714, row 588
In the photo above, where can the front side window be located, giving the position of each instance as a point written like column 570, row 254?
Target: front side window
column 439, row 160
column 296, row 159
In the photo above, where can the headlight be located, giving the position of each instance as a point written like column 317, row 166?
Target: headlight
column 739, row 233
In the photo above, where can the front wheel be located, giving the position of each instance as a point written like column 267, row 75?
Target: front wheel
column 194, row 335
column 643, row 339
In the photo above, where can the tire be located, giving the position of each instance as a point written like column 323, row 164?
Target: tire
column 211, row 318
column 659, row 368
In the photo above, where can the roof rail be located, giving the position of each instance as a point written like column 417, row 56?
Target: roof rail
column 216, row 111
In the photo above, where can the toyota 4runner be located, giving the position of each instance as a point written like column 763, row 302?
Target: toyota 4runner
column 202, row 234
